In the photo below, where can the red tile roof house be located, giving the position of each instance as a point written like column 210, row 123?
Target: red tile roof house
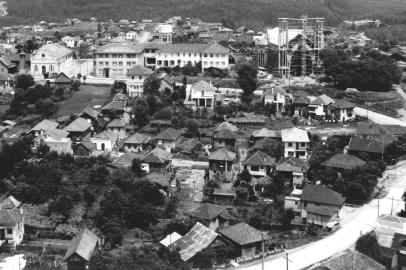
column 158, row 160
column 222, row 161
column 79, row 129
column 81, row 250
column 319, row 205
column 213, row 216
column 11, row 223
column 341, row 111
column 169, row 139
column 294, row 169
column 136, row 143
column 246, row 239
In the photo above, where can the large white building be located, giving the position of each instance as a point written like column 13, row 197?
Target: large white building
column 202, row 93
column 135, row 80
column 115, row 59
column 295, row 142
column 51, row 58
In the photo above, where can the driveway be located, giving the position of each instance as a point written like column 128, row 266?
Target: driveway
column 355, row 221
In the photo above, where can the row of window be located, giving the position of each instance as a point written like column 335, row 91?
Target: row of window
column 301, row 144
column 115, row 63
column 116, row 55
column 50, row 69
column 211, row 55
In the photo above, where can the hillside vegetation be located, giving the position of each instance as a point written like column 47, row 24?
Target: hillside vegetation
column 255, row 13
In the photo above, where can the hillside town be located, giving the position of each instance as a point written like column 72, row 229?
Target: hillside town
column 186, row 144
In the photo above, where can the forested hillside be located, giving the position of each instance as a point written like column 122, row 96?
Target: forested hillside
column 256, row 13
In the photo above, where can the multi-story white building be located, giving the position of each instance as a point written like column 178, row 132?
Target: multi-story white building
column 51, row 58
column 115, row 59
column 295, row 141
column 135, row 80
column 202, row 93
column 72, row 42
column 131, row 35
column 277, row 96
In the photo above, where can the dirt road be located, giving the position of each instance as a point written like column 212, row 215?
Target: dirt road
column 354, row 222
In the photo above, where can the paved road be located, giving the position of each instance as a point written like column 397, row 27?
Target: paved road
column 354, row 222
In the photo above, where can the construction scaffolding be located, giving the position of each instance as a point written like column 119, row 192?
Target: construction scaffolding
column 299, row 44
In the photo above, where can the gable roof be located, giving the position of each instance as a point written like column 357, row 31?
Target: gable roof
column 353, row 260
column 243, row 234
column 342, row 161
column 139, row 70
column 301, row 100
column 321, row 194
column 203, row 86
column 121, row 46
column 322, row 100
column 57, row 134
column 263, row 142
column 275, row 90
column 291, row 164
column 45, row 125
column 107, row 135
column 223, row 154
column 78, row 125
column 137, row 138
column 90, row 112
column 10, row 217
column 366, row 128
column 83, row 245
column 115, row 106
column 225, row 134
column 9, row 202
column 126, row 159
column 294, row 135
column 119, row 123
column 321, row 210
column 51, row 51
column 197, row 239
column 157, row 156
column 169, row 134
column 87, row 143
column 208, row 211
column 259, row 158
column 266, row 133
column 226, row 126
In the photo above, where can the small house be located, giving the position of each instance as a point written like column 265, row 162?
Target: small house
column 62, row 81
column 84, row 148
column 202, row 93
column 221, row 161
column 42, row 126
column 135, row 80
column 57, row 140
column 118, row 127
column 11, row 223
column 296, row 142
column 136, row 143
column 225, row 138
column 301, row 106
column 294, row 169
column 79, row 129
column 318, row 106
column 169, row 139
column 212, row 215
column 258, row 164
column 224, row 194
column 104, row 141
column 80, row 250
column 344, row 162
column 341, row 111
column 277, row 96
column 157, row 160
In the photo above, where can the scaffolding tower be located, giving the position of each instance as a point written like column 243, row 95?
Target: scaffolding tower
column 299, row 44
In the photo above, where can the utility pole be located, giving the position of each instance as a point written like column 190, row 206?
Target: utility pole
column 378, row 208
column 287, row 260
column 391, row 207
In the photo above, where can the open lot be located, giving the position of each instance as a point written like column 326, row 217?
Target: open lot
column 88, row 95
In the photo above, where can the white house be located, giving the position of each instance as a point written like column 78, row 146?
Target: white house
column 135, row 80
column 51, row 58
column 57, row 140
column 38, row 28
column 295, row 141
column 105, row 141
column 131, row 35
column 293, row 201
column 318, row 106
column 341, row 111
column 116, row 58
column 202, row 93
column 11, row 223
column 277, row 96
column 259, row 164
column 72, row 42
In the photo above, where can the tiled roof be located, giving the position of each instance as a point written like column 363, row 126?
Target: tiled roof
column 259, row 159
column 291, row 164
column 9, row 202
column 226, row 126
column 215, row 48
column 294, row 135
column 137, row 138
column 115, row 106
column 225, row 134
column 53, row 51
column 193, row 48
column 353, row 260
column 225, row 189
column 342, row 104
column 157, row 156
column 10, row 217
column 341, row 161
column 322, row 195
column 126, row 159
column 62, row 78
column 106, row 134
column 45, row 125
column 170, row 134
column 119, row 123
column 203, row 86
column 57, row 134
column 91, row 112
column 376, row 146
column 301, row 100
column 243, row 234
column 322, row 100
column 122, row 46
column 6, row 62
column 208, row 211
column 266, row 133
column 223, row 154
column 275, row 90
column 83, row 245
column 78, row 125
column 365, row 128
column 261, row 144
column 87, row 143
column 197, row 239
column 321, row 210
column 139, row 70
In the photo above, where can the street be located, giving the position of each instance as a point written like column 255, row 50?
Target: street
column 354, row 222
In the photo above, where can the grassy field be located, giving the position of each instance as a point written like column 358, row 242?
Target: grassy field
column 88, row 95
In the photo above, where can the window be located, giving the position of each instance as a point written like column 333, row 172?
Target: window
column 101, row 63
column 132, row 77
column 128, row 63
column 35, row 68
column 100, row 71
column 159, row 62
column 114, row 64
column 254, row 168
column 223, row 63
column 211, row 55
column 205, row 55
column 140, row 77
column 303, row 144
column 106, row 63
column 190, row 55
column 290, row 144
column 9, row 231
column 120, row 64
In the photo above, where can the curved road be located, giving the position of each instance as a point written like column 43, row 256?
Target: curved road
column 354, row 222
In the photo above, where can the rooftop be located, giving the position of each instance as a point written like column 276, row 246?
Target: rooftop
column 223, row 154
column 259, row 158
column 170, row 134
column 294, row 135
column 78, row 125
column 243, row 234
column 139, row 70
column 137, row 138
column 341, row 161
column 83, row 245
column 322, row 195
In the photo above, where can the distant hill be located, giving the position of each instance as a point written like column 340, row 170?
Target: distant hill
column 254, row 13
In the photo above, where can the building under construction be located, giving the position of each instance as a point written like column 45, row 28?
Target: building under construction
column 293, row 48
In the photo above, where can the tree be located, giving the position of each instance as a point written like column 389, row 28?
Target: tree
column 193, row 127
column 368, row 245
column 247, row 78
column 83, row 50
column 152, row 84
column 24, row 81
column 136, row 168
